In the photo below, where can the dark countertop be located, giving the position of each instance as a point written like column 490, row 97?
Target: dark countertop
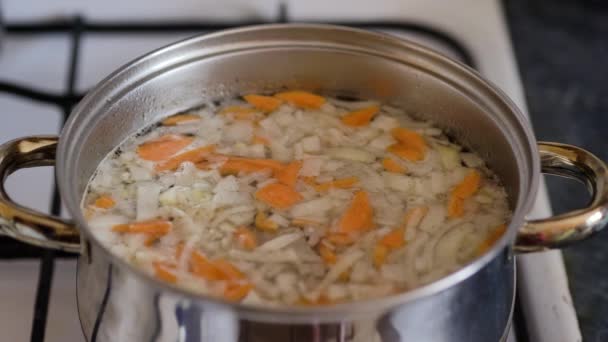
column 562, row 51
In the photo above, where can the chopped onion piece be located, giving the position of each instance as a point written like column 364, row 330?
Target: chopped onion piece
column 311, row 144
column 450, row 158
column 147, row 201
column 350, row 153
column 398, row 182
column 311, row 167
column 343, row 264
column 471, row 160
column 315, row 207
column 279, row 242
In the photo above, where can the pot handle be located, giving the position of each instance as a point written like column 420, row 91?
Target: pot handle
column 561, row 230
column 25, row 224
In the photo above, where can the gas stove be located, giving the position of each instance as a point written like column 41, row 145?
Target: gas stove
column 49, row 60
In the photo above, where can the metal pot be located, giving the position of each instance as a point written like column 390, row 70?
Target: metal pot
column 120, row 303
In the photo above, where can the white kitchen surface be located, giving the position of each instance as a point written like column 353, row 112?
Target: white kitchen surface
column 41, row 61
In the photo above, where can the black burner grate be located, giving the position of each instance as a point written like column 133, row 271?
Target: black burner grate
column 75, row 28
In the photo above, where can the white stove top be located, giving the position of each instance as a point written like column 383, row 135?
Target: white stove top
column 42, row 61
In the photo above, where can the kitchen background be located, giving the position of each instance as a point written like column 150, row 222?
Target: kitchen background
column 561, row 48
column 562, row 51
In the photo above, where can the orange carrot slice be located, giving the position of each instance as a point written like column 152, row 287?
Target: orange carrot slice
column 263, row 223
column 360, row 117
column 260, row 140
column 410, row 146
column 344, row 183
column 379, row 255
column 358, row 216
column 104, row 202
column 391, row 165
column 163, row 147
column 289, row 174
column 195, row 156
column 234, row 165
column 164, row 272
column 406, row 152
column 494, row 236
column 394, row 239
column 328, row 256
column 279, row 196
column 151, row 239
column 154, row 227
column 264, row 103
column 202, row 267
column 409, row 138
column 455, row 206
column 462, row 191
column 237, row 110
column 228, row 270
column 469, row 185
column 236, row 292
column 180, row 119
column 245, row 238
column 301, row 99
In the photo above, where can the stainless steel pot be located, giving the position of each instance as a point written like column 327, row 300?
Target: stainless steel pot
column 119, row 303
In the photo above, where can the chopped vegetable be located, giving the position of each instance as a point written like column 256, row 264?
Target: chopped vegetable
column 260, row 140
column 279, row 242
column 359, row 215
column 292, row 199
column 380, row 254
column 104, row 202
column 394, row 239
column 263, row 223
column 469, row 185
column 148, row 194
column 194, row 156
column 236, row 292
column 234, row 165
column 165, row 272
column 406, row 152
column 180, row 119
column 163, row 147
column 340, row 239
column 279, row 196
column 264, row 103
column 465, row 189
column 344, row 183
column 327, row 254
column 227, row 270
column 289, row 174
column 391, row 165
column 301, row 99
column 246, row 238
column 494, row 236
column 410, row 146
column 202, row 267
column 155, row 227
column 450, row 156
column 303, row 222
column 361, row 117
column 351, row 154
column 409, row 138
column 239, row 113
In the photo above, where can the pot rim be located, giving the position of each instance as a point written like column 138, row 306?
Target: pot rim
column 526, row 197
